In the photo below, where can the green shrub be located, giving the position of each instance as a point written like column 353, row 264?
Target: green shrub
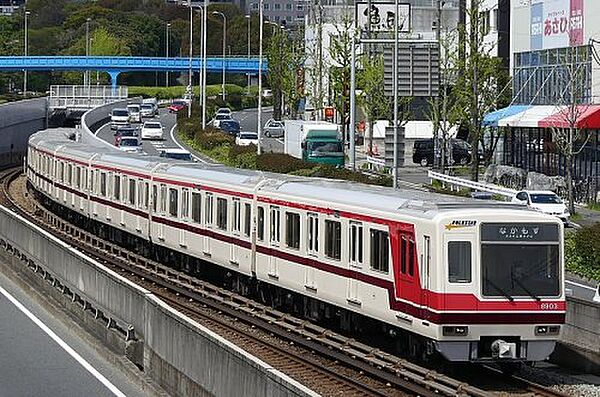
column 587, row 246
column 280, row 163
column 577, row 264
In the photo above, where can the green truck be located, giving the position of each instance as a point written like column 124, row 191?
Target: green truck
column 314, row 141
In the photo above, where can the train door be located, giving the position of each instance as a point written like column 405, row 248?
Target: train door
column 236, row 226
column 208, row 222
column 405, row 266
column 312, row 248
column 274, row 238
column 424, row 270
column 185, row 205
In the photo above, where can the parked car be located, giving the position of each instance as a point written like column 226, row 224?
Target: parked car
column 130, row 144
column 232, row 127
column 152, row 130
column 247, row 138
column 176, row 153
column 125, row 131
column 135, row 115
column 119, row 117
column 148, row 110
column 177, row 105
column 220, row 117
column 597, row 294
column 544, row 201
column 423, row 152
column 274, row 129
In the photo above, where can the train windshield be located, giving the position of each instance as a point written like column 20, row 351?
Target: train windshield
column 520, row 260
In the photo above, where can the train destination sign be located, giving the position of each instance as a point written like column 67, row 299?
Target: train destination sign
column 519, row 232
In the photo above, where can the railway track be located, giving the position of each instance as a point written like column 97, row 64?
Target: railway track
column 379, row 373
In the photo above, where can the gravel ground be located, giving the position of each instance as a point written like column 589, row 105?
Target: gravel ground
column 575, row 384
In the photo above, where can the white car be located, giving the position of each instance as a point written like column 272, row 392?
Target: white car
column 130, row 144
column 219, row 117
column 226, row 111
column 152, row 130
column 176, row 153
column 544, row 201
column 135, row 115
column 596, row 297
column 147, row 110
column 246, row 139
column 118, row 118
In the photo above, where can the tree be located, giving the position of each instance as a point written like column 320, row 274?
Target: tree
column 373, row 100
column 278, row 53
column 477, row 83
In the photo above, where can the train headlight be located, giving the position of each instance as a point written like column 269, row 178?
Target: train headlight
column 543, row 330
column 461, row 330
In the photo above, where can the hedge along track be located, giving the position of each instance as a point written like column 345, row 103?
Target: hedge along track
column 380, row 373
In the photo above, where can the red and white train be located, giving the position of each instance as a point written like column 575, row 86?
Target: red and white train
column 472, row 280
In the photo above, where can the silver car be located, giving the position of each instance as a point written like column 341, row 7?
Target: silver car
column 273, row 129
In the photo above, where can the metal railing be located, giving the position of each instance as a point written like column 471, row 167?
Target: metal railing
column 478, row 186
column 84, row 97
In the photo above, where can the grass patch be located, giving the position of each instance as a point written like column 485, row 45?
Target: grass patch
column 593, row 206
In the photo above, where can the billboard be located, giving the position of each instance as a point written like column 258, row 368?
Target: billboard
column 556, row 23
column 382, row 16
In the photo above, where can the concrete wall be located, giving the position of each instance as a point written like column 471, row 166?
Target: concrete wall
column 18, row 120
column 579, row 347
column 181, row 355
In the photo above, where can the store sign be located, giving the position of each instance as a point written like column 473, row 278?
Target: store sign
column 382, row 16
column 518, row 232
column 556, row 23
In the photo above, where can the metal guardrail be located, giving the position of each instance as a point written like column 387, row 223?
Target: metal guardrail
column 479, row 186
column 80, row 97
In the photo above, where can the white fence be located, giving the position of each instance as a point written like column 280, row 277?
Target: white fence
column 84, row 97
column 479, row 186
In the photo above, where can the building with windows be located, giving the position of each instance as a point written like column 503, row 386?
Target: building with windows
column 284, row 12
column 495, row 18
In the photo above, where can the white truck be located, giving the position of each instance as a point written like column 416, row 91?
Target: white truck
column 314, row 141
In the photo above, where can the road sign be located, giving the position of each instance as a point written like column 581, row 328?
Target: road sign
column 389, row 146
column 418, row 69
column 382, row 16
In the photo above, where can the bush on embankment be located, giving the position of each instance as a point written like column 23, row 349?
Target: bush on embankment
column 582, row 252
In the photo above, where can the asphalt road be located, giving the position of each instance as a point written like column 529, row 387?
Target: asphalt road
column 43, row 354
column 248, row 119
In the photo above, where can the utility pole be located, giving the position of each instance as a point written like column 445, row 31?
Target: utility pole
column 224, row 47
column 189, row 87
column 353, row 106
column 248, row 74
column 86, row 75
column 27, row 13
column 436, row 128
column 167, row 39
column 260, row 63
column 204, row 28
column 395, row 84
column 320, row 56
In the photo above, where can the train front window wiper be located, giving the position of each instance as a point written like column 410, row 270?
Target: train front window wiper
column 500, row 290
column 534, row 296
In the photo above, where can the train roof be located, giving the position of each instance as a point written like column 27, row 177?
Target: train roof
column 376, row 198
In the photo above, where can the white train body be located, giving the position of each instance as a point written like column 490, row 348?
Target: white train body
column 480, row 281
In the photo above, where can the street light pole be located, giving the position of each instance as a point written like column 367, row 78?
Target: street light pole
column 200, row 77
column 248, row 74
column 27, row 13
column 86, row 75
column 189, row 90
column 260, row 63
column 167, row 39
column 204, row 27
column 224, row 47
column 353, row 106
column 395, row 84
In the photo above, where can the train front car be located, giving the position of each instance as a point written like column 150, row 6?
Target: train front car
column 502, row 297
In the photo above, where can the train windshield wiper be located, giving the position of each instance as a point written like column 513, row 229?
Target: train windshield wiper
column 503, row 292
column 520, row 284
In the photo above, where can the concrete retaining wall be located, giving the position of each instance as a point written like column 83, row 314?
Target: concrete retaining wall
column 18, row 120
column 579, row 347
column 179, row 354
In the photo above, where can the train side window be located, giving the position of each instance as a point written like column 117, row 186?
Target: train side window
column 154, row 197
column 313, row 234
column 117, row 187
column 103, row 184
column 459, row 261
column 146, row 194
column 173, row 201
column 222, row 213
column 380, row 250
column 163, row 198
column 411, row 258
column 78, row 177
column 132, row 195
column 356, row 243
column 237, row 216
column 124, row 191
column 292, row 230
column 208, row 210
column 185, row 202
column 403, row 244
column 93, row 181
column 70, row 174
column 260, row 223
column 275, row 225
column 196, row 207
column 333, row 239
column 247, row 219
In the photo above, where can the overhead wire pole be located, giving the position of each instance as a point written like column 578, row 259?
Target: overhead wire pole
column 260, row 63
column 353, row 106
column 224, row 47
column 200, row 77
column 248, row 17
column 27, row 13
column 395, row 88
column 204, row 28
column 190, row 61
column 167, row 53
